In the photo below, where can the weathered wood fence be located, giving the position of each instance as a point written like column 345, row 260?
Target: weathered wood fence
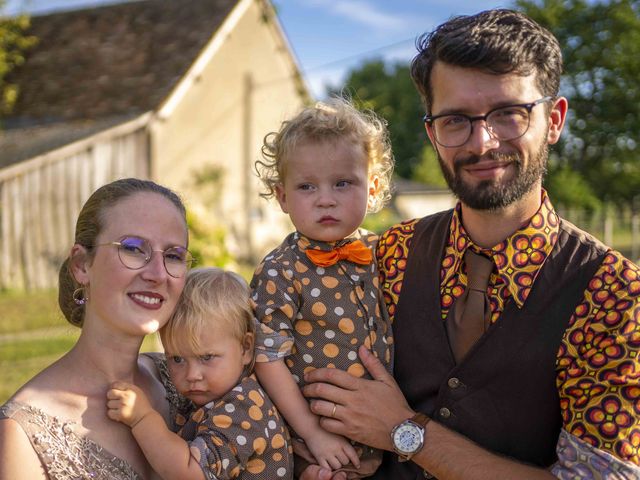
column 40, row 199
column 616, row 227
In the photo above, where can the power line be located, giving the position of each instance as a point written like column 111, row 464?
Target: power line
column 357, row 56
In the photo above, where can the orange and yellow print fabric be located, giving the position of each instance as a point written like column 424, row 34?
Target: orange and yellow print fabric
column 598, row 363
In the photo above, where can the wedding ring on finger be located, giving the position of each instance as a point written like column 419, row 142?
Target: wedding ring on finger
column 333, row 412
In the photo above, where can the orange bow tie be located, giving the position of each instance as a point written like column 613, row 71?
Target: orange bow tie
column 355, row 252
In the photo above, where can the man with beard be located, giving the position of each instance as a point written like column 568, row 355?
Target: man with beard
column 517, row 335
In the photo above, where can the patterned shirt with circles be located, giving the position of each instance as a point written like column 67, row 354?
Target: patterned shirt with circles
column 240, row 435
column 598, row 362
column 316, row 317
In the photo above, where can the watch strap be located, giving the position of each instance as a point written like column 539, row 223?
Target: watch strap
column 421, row 419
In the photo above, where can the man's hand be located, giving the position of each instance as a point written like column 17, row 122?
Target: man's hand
column 126, row 403
column 365, row 410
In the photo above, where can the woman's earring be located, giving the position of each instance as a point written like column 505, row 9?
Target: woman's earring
column 79, row 296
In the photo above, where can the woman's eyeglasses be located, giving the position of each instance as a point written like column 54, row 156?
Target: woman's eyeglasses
column 135, row 253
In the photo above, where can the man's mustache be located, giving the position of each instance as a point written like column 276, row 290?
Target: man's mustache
column 501, row 157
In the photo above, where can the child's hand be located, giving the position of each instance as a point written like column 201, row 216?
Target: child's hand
column 126, row 403
column 332, row 451
column 368, row 467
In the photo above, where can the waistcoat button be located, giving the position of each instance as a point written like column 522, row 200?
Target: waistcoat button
column 445, row 412
column 454, row 383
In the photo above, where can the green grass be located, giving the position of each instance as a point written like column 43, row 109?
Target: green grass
column 25, row 350
column 29, row 311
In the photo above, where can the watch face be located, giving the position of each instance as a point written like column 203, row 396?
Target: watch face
column 408, row 438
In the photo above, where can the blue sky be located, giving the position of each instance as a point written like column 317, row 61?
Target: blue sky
column 329, row 37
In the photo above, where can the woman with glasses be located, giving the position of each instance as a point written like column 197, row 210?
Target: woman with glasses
column 121, row 281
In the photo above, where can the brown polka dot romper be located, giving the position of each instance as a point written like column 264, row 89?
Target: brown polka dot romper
column 316, row 317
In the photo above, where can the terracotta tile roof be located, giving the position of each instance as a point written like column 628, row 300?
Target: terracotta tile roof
column 114, row 60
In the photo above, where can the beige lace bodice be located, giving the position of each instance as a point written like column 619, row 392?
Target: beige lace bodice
column 65, row 455
column 68, row 456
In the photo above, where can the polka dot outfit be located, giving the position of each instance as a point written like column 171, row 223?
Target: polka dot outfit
column 240, row 435
column 316, row 317
column 598, row 362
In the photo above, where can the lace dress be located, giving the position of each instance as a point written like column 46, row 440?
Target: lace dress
column 66, row 455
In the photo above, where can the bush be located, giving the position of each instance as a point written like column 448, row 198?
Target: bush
column 207, row 242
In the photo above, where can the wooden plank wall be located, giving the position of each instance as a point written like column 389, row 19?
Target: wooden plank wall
column 40, row 200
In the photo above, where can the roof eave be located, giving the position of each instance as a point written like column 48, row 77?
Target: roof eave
column 195, row 71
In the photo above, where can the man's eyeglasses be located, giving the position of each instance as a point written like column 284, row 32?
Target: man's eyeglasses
column 503, row 123
column 135, row 253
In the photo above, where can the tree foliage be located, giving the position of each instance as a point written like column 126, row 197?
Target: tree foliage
column 428, row 170
column 13, row 44
column 387, row 89
column 601, row 48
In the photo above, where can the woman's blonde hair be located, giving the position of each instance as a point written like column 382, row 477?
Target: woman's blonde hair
column 212, row 298
column 332, row 120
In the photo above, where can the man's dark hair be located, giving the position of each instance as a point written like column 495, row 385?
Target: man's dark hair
column 496, row 41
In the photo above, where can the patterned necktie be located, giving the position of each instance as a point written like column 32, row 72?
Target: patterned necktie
column 469, row 316
column 355, row 252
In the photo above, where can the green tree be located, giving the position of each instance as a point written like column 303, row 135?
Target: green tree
column 601, row 48
column 207, row 237
column 13, row 43
column 387, row 89
column 567, row 187
column 428, row 170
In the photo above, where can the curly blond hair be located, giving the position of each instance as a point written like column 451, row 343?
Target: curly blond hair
column 331, row 120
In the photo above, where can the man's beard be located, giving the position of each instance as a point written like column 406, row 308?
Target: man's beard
column 492, row 194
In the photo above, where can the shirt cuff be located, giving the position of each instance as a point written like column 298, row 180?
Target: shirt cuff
column 578, row 459
column 271, row 345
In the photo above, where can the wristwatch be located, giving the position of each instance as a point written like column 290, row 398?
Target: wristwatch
column 408, row 437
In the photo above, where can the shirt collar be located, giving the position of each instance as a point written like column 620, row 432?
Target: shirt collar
column 519, row 257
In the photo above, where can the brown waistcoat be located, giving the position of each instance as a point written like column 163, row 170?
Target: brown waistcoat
column 503, row 395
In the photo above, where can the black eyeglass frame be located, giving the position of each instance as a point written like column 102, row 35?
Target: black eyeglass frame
column 189, row 260
column 429, row 119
